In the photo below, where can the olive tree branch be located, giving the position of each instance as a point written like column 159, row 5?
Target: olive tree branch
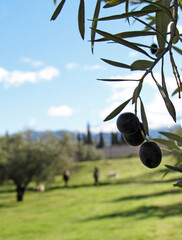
column 161, row 54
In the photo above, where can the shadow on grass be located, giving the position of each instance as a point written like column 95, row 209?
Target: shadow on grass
column 142, row 196
column 143, row 212
column 118, row 182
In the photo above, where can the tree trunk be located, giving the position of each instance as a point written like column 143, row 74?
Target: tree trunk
column 20, row 193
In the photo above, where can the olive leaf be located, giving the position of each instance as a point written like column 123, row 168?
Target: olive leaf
column 167, row 101
column 117, row 110
column 81, row 18
column 113, row 3
column 94, row 23
column 162, row 7
column 117, row 80
column 141, row 65
column 144, row 118
column 121, row 41
column 176, row 37
column 58, row 10
column 172, row 136
column 136, row 92
column 167, row 143
column 162, row 21
column 177, row 49
column 178, row 169
column 130, row 34
column 177, row 90
column 163, row 79
column 128, row 14
column 116, row 64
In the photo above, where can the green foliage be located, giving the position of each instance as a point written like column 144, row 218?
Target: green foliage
column 87, row 152
column 88, row 139
column 173, row 143
column 154, row 17
column 101, row 143
column 24, row 160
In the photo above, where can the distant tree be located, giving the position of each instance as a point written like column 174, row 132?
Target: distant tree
column 122, row 141
column 101, row 143
column 114, row 138
column 23, row 160
column 89, row 135
column 87, row 152
column 79, row 137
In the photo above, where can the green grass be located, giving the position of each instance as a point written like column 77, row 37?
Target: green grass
column 140, row 205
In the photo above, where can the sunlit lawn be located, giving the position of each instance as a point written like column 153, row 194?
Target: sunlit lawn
column 140, row 205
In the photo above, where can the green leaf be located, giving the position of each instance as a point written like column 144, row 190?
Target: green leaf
column 177, row 49
column 94, row 23
column 172, row 136
column 113, row 3
column 135, row 34
column 127, row 15
column 81, row 18
column 58, row 10
column 117, row 110
column 164, row 6
column 130, row 35
column 162, row 21
column 150, row 27
column 144, row 118
column 168, row 103
column 177, row 90
column 167, row 143
column 163, row 79
column 116, row 64
column 121, row 41
column 117, row 80
column 127, row 7
column 178, row 169
column 176, row 37
column 141, row 65
column 137, row 91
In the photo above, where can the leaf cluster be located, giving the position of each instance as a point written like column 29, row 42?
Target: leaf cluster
column 155, row 18
column 173, row 143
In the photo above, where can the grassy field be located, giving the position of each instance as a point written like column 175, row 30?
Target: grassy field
column 140, row 205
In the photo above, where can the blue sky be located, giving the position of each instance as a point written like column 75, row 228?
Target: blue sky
column 48, row 73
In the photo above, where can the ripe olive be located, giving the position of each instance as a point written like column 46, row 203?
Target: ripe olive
column 127, row 123
column 136, row 138
column 153, row 48
column 150, row 154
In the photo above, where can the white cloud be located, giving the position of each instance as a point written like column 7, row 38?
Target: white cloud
column 17, row 78
column 3, row 74
column 48, row 73
column 105, row 127
column 34, row 63
column 133, row 53
column 32, row 122
column 71, row 66
column 37, row 63
column 122, row 95
column 60, row 111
